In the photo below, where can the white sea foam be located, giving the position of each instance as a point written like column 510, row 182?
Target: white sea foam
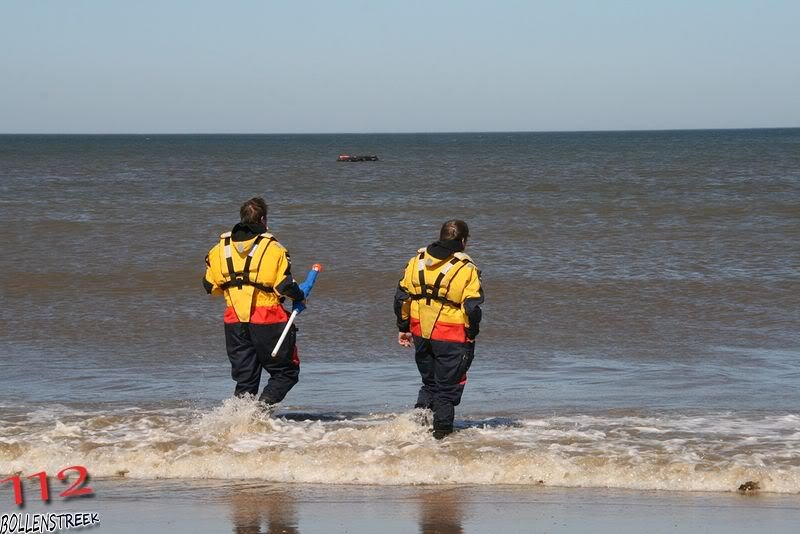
column 238, row 441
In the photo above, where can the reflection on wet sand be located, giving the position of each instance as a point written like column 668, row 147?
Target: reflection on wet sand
column 266, row 509
column 273, row 509
column 441, row 512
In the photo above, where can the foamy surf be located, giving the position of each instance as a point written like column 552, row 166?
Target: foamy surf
column 239, row 441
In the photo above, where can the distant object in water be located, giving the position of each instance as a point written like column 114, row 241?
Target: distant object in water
column 348, row 157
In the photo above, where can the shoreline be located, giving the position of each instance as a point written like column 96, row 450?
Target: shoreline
column 185, row 506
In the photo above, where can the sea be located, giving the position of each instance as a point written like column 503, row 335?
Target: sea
column 641, row 325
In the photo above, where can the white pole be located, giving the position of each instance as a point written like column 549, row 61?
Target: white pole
column 285, row 331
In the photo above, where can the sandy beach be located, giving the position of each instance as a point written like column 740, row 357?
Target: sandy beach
column 127, row 506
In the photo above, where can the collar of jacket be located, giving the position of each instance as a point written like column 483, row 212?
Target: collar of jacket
column 445, row 249
column 246, row 231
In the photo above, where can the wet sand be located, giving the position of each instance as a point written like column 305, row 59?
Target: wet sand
column 128, row 506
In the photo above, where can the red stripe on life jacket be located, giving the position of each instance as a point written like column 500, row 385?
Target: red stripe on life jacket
column 268, row 314
column 259, row 315
column 454, row 332
column 416, row 329
column 230, row 316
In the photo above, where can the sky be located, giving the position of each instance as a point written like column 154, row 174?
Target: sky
column 261, row 66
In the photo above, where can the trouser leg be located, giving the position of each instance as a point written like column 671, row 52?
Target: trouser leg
column 452, row 360
column 245, row 366
column 425, row 364
column 468, row 353
column 284, row 368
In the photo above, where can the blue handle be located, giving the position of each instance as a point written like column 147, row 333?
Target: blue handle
column 307, row 285
column 311, row 279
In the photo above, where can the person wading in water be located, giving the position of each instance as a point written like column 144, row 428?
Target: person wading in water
column 437, row 304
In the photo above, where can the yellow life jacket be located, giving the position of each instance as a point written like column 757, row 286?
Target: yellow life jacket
column 437, row 293
column 239, row 264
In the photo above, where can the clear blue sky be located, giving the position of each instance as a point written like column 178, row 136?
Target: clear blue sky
column 143, row 66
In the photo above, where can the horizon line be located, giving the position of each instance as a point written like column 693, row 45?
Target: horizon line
column 448, row 132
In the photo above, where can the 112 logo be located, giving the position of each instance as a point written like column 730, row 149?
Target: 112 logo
column 78, row 487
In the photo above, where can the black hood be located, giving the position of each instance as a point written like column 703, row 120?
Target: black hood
column 445, row 249
column 246, row 231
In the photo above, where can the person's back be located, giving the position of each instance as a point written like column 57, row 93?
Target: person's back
column 253, row 271
column 259, row 264
column 437, row 304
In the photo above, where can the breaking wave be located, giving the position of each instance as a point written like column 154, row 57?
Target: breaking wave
column 239, row 441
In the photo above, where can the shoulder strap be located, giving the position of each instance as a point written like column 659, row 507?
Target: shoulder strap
column 226, row 249
column 246, row 269
column 463, row 256
column 238, row 279
column 254, row 283
column 250, row 256
column 456, row 261
column 438, row 283
column 421, row 274
column 459, row 260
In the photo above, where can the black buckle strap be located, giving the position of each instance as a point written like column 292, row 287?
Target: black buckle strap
column 430, row 293
column 429, row 298
column 241, row 278
column 239, row 282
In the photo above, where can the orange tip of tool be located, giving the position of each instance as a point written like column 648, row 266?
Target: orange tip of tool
column 317, row 267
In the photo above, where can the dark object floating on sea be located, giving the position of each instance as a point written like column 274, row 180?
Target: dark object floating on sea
column 749, row 486
column 348, row 157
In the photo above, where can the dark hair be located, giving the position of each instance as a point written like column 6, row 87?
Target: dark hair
column 454, row 229
column 253, row 210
